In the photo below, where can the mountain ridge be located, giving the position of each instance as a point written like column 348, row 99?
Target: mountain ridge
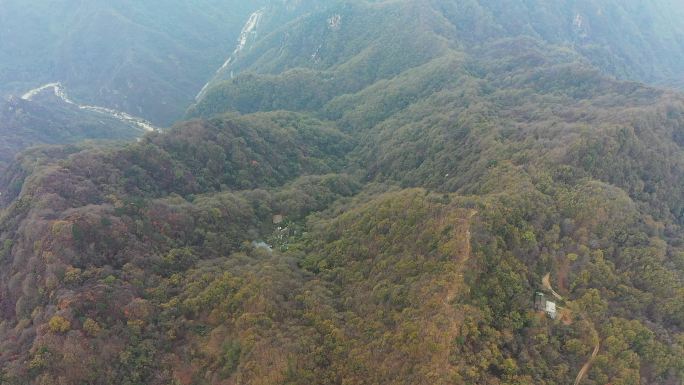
column 364, row 220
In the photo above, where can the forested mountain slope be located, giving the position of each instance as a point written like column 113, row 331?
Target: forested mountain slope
column 48, row 120
column 363, row 218
column 147, row 58
column 349, row 44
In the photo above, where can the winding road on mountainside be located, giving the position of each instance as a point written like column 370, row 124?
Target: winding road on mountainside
column 59, row 91
column 546, row 282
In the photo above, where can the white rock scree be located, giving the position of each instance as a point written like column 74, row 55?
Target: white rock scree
column 248, row 30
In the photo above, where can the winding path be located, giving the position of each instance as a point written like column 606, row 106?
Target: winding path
column 585, row 368
column 455, row 283
column 546, row 282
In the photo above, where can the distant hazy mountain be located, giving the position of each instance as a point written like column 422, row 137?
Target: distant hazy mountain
column 147, row 58
column 626, row 39
column 114, row 64
column 49, row 120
